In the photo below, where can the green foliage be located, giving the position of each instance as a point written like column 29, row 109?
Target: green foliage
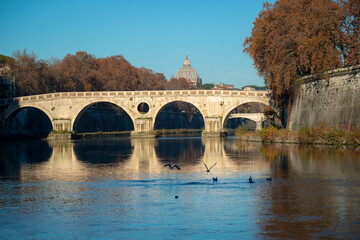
column 336, row 136
column 4, row 59
column 269, row 134
column 303, row 135
column 258, row 88
column 320, row 133
column 315, row 134
column 240, row 132
column 207, row 86
column 325, row 134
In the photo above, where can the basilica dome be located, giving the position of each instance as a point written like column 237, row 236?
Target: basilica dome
column 189, row 73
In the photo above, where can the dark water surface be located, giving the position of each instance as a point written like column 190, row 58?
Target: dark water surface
column 119, row 189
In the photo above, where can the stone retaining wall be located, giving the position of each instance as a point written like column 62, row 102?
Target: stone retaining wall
column 334, row 99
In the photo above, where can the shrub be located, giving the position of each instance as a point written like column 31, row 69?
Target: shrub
column 318, row 132
column 304, row 135
column 268, row 134
column 284, row 134
column 240, row 131
column 352, row 137
column 336, row 136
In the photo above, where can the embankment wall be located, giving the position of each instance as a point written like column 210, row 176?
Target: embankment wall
column 333, row 97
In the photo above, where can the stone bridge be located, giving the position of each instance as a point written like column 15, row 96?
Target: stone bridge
column 256, row 117
column 64, row 108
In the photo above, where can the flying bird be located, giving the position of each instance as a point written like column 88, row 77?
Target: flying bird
column 208, row 169
column 171, row 167
column 269, row 179
column 215, row 179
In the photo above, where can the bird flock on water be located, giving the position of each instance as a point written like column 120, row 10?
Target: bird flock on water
column 215, row 179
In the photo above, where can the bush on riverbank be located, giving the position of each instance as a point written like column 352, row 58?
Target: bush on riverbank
column 321, row 133
column 269, row 134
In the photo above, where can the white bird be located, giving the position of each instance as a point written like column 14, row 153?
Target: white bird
column 208, row 169
column 171, row 167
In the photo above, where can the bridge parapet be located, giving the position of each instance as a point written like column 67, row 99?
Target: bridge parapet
column 49, row 96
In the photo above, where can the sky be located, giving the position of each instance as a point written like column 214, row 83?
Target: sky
column 155, row 34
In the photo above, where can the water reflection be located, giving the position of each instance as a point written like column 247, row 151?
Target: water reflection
column 315, row 192
column 103, row 152
column 14, row 154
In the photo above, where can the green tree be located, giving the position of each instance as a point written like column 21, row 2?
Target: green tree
column 207, row 86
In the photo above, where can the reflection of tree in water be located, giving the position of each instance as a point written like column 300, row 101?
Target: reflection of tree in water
column 185, row 151
column 305, row 195
column 278, row 156
column 14, row 154
column 337, row 159
column 103, row 151
column 271, row 151
column 241, row 150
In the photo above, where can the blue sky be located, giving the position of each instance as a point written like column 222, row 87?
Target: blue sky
column 155, row 34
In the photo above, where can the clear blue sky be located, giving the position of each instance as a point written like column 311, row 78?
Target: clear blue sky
column 155, row 34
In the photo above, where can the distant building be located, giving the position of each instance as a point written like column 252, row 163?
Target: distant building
column 189, row 73
column 249, row 89
column 223, row 87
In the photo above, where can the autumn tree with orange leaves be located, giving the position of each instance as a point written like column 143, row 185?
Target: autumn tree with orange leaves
column 30, row 74
column 81, row 72
column 350, row 32
column 294, row 38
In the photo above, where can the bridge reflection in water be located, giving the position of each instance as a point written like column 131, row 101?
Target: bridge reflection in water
column 129, row 158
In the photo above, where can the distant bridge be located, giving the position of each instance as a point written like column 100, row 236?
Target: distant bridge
column 256, row 117
column 65, row 108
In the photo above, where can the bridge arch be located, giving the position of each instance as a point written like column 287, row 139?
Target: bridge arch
column 16, row 108
column 158, row 109
column 35, row 123
column 258, row 121
column 81, row 111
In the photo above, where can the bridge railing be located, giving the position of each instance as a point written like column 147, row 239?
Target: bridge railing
column 133, row 93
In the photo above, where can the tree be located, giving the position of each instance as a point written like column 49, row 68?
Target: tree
column 207, row 86
column 31, row 75
column 179, row 84
column 118, row 74
column 293, row 38
column 350, row 32
column 78, row 73
column 150, row 80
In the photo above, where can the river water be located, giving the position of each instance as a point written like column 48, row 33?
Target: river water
column 120, row 189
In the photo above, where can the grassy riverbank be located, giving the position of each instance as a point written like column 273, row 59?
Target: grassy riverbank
column 317, row 134
column 158, row 133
